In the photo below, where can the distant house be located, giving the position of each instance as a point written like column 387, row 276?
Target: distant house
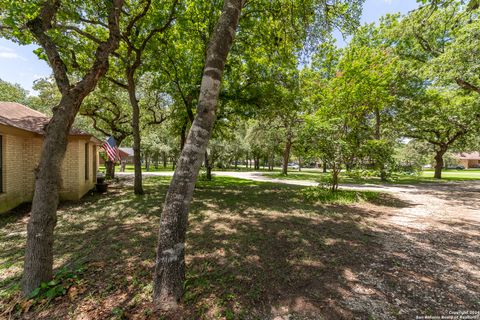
column 468, row 159
column 126, row 154
column 21, row 137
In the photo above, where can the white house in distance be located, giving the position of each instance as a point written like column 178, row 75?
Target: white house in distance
column 21, row 137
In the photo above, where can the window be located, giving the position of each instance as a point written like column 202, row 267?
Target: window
column 87, row 161
column 1, row 164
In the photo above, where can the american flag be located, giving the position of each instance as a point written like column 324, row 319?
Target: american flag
column 111, row 148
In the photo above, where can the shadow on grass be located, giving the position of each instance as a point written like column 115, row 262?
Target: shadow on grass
column 254, row 250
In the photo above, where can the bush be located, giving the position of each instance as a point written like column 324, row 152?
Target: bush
column 326, row 195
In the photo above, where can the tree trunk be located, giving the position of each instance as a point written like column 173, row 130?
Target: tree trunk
column 137, row 161
column 335, row 173
column 156, row 160
column 324, row 166
column 208, row 167
column 110, row 169
column 183, row 135
column 38, row 266
column 286, row 155
column 147, row 162
column 439, row 162
column 164, row 154
column 170, row 263
column 383, row 173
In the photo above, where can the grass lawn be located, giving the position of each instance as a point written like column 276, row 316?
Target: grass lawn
column 250, row 244
column 425, row 176
column 254, row 249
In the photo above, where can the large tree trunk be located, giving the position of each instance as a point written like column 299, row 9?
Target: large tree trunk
column 286, row 155
column 439, row 162
column 170, row 263
column 137, row 161
column 38, row 265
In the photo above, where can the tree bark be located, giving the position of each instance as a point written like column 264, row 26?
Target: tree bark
column 286, row 154
column 439, row 162
column 170, row 263
column 38, row 265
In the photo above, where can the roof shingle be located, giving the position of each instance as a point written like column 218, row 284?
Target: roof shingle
column 17, row 115
column 468, row 155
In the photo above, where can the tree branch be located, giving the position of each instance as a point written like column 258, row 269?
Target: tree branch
column 466, row 85
column 117, row 82
column 39, row 27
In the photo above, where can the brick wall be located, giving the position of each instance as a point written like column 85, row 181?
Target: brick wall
column 20, row 158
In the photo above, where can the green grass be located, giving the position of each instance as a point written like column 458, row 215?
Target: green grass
column 425, row 176
column 248, row 244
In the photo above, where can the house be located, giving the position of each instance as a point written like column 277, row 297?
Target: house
column 126, row 154
column 468, row 159
column 21, row 137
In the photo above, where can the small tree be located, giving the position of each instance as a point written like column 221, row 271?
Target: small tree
column 325, row 138
column 443, row 118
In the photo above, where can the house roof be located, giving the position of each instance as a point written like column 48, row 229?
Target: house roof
column 17, row 115
column 128, row 151
column 468, row 155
